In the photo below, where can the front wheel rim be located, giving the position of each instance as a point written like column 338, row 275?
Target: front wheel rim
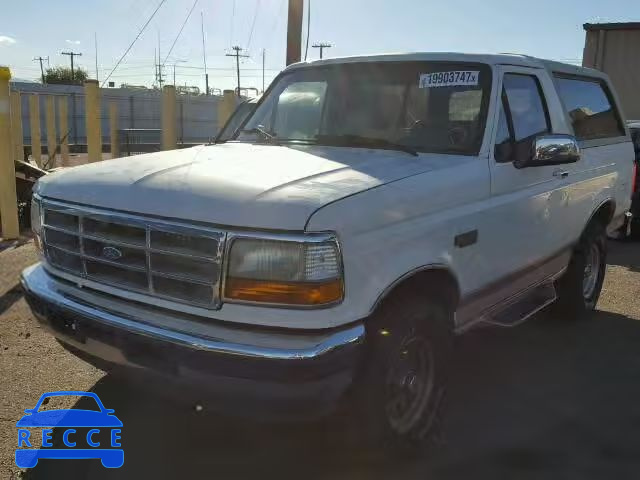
column 591, row 272
column 409, row 383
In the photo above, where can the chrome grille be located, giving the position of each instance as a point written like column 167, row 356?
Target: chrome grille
column 159, row 258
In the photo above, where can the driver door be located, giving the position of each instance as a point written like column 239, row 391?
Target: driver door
column 531, row 203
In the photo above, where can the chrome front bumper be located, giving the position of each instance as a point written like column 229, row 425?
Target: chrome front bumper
column 236, row 363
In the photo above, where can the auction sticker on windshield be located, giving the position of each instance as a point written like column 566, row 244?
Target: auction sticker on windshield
column 449, row 79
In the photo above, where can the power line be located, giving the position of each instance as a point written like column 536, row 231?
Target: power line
column 306, row 48
column 238, row 56
column 276, row 21
column 134, row 40
column 253, row 23
column 233, row 14
column 180, row 32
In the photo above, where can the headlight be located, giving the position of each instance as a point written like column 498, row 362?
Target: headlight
column 284, row 272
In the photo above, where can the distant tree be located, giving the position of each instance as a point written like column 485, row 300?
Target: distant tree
column 62, row 75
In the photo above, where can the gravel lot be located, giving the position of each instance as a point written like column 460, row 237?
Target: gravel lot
column 548, row 399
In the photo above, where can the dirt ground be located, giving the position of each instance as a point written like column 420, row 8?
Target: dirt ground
column 548, row 399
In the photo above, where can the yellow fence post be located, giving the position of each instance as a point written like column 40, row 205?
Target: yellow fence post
column 94, row 130
column 34, row 121
column 169, row 134
column 16, row 126
column 113, row 127
column 52, row 142
column 63, row 122
column 8, row 197
column 226, row 107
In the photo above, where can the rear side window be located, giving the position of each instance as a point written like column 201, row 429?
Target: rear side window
column 590, row 107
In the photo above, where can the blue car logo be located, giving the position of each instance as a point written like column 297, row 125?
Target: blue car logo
column 72, row 423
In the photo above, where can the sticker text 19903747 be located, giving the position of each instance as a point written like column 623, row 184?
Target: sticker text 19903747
column 449, row 79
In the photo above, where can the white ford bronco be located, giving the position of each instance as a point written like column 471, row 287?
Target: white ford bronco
column 368, row 210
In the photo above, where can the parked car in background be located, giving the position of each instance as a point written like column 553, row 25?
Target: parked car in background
column 630, row 229
column 325, row 256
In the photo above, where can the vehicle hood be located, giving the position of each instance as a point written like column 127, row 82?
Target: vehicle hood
column 232, row 184
column 69, row 418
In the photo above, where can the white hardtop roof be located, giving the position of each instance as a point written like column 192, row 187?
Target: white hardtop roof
column 489, row 59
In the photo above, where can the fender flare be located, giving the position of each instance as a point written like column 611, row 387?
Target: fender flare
column 439, row 268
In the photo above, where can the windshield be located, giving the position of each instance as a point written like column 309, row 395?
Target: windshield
column 427, row 106
column 239, row 115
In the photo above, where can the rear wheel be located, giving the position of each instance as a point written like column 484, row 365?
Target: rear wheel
column 401, row 397
column 579, row 288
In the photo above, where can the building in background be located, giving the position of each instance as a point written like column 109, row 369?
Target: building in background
column 614, row 48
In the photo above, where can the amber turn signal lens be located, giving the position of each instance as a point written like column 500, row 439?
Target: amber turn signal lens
column 292, row 293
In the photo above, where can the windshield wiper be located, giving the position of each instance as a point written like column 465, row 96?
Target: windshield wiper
column 262, row 132
column 360, row 141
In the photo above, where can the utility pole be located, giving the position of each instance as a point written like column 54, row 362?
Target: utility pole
column 95, row 37
column 204, row 55
column 160, row 80
column 174, row 69
column 238, row 55
column 41, row 59
column 264, row 52
column 321, row 46
column 72, row 54
column 294, row 31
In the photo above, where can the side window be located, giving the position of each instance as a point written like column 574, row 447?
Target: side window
column 503, row 134
column 523, row 116
column 504, row 139
column 528, row 112
column 590, row 108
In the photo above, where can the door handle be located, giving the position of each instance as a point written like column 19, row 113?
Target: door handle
column 561, row 173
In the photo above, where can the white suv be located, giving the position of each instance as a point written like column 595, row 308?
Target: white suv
column 368, row 210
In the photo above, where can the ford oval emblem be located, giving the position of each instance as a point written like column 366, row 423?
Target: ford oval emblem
column 111, row 253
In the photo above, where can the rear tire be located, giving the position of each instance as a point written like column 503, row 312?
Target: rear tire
column 579, row 288
column 400, row 399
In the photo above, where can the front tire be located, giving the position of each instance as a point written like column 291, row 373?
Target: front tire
column 579, row 288
column 401, row 395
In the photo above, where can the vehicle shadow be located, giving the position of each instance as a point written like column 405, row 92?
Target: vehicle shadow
column 550, row 399
column 624, row 254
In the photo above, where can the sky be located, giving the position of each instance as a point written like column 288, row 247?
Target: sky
column 30, row 28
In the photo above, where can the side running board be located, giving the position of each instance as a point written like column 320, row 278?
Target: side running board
column 519, row 308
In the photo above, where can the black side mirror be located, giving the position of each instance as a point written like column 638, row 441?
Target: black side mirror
column 551, row 150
